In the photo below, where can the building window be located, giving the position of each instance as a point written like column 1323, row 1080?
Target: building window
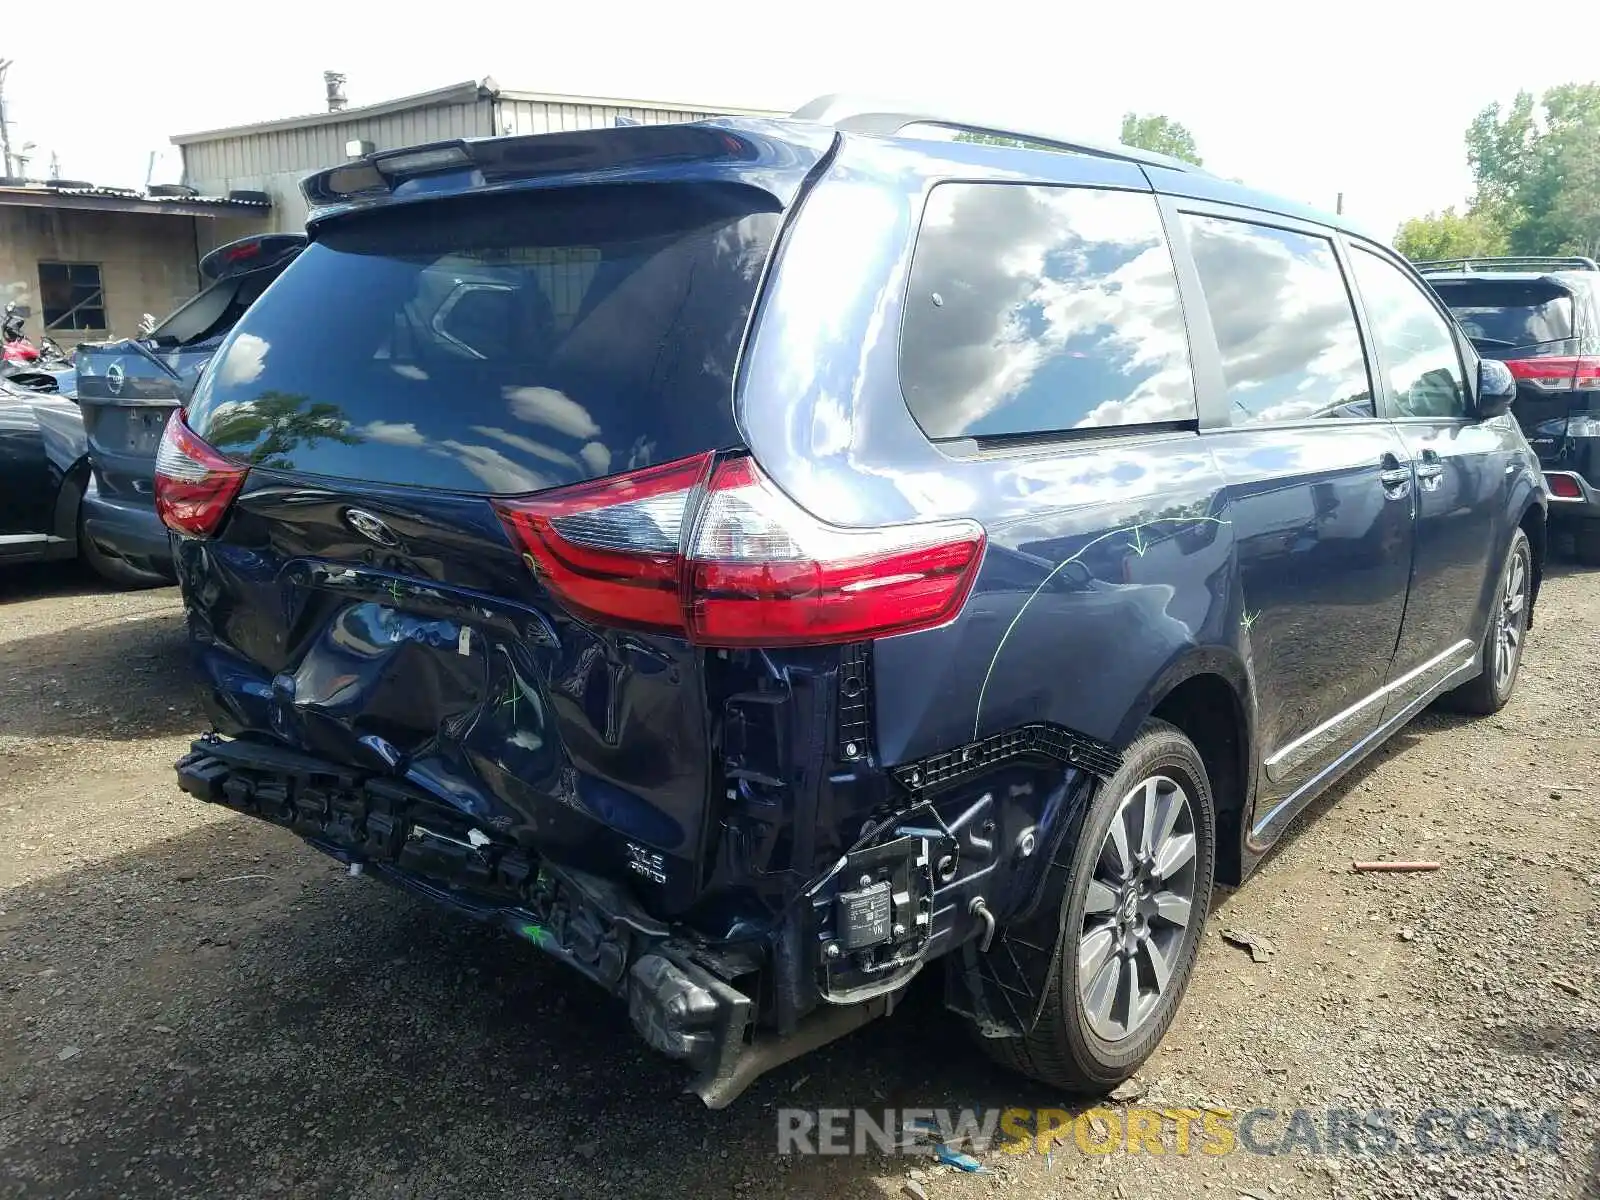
column 71, row 296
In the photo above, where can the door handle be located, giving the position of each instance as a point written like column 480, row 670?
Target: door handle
column 1395, row 478
column 1430, row 469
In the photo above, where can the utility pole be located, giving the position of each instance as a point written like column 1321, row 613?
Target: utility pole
column 1338, row 204
column 5, row 125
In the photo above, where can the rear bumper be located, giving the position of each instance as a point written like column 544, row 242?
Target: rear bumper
column 1583, row 506
column 681, row 995
column 127, row 529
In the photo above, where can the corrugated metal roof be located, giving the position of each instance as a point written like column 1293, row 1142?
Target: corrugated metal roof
column 457, row 93
column 118, row 199
column 649, row 105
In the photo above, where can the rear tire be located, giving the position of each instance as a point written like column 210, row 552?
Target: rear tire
column 1507, row 634
column 1120, row 917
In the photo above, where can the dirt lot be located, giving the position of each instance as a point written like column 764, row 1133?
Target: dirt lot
column 193, row 1004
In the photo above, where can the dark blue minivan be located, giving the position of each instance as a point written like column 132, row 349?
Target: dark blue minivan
column 752, row 560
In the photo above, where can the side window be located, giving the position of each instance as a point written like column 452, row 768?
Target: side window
column 1416, row 344
column 1285, row 325
column 1036, row 309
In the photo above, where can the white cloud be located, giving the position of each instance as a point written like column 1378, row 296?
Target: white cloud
column 390, row 433
column 245, row 360
column 500, row 474
column 546, row 406
column 527, row 445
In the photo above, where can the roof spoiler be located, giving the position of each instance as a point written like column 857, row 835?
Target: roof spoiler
column 253, row 253
column 493, row 160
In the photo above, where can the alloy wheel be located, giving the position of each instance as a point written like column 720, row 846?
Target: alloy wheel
column 1511, row 622
column 1137, row 912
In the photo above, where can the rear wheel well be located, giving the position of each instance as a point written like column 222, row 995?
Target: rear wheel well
column 1208, row 712
column 1533, row 524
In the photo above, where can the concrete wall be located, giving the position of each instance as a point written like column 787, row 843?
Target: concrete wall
column 147, row 262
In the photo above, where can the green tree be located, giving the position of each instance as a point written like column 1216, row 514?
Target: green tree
column 1560, row 194
column 1500, row 153
column 1536, row 170
column 1450, row 234
column 1161, row 134
column 270, row 427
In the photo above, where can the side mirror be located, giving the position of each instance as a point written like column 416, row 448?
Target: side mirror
column 1497, row 388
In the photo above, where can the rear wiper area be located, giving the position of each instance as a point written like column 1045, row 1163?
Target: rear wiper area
column 151, row 355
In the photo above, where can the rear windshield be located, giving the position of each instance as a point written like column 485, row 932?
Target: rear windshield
column 1508, row 313
column 213, row 312
column 498, row 344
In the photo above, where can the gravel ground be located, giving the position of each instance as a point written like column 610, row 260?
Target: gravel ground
column 195, row 1005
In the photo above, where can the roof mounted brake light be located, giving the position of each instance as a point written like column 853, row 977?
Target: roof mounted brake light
column 421, row 162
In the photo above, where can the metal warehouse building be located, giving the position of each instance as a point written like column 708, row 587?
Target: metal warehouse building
column 273, row 156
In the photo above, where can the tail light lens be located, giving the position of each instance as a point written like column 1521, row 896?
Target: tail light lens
column 609, row 550
column 761, row 571
column 194, row 484
column 1563, row 486
column 1559, row 373
column 764, row 572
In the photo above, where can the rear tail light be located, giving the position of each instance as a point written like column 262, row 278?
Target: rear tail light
column 194, row 484
column 765, row 572
column 1563, row 486
column 1560, row 373
column 609, row 550
column 725, row 558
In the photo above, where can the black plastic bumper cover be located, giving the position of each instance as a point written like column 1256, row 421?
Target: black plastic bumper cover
column 678, row 1006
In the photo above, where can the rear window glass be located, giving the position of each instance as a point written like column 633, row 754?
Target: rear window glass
column 498, row 344
column 1508, row 313
column 214, row 311
column 1042, row 309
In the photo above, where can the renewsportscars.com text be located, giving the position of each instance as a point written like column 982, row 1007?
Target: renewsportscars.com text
column 1211, row 1132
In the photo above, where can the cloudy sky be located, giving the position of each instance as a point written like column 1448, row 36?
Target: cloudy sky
column 1368, row 98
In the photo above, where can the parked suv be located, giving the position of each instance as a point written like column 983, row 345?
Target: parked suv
column 753, row 560
column 128, row 388
column 1541, row 317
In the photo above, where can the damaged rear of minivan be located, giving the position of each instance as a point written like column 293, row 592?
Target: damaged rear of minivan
column 557, row 543
column 491, row 598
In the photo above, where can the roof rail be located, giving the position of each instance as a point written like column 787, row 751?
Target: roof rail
column 850, row 114
column 1511, row 262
